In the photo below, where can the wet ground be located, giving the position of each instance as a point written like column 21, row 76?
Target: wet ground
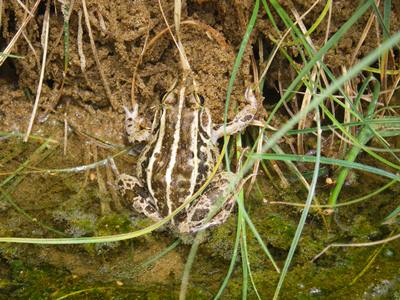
column 80, row 121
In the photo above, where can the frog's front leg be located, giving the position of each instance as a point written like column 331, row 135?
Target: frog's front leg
column 135, row 126
column 198, row 214
column 241, row 120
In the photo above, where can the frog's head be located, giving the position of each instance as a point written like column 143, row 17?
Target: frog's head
column 185, row 89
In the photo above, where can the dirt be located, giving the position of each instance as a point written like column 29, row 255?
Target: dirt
column 81, row 119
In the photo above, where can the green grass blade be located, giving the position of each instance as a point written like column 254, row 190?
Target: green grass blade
column 350, row 202
column 244, row 257
column 157, row 256
column 11, row 55
column 233, row 259
column 317, row 56
column 363, row 137
column 258, row 237
column 236, row 66
column 320, row 17
column 328, row 161
column 369, row 59
column 27, row 216
column 189, row 263
column 304, row 214
column 383, row 122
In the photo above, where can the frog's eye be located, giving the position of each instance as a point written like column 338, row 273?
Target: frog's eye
column 197, row 100
column 201, row 100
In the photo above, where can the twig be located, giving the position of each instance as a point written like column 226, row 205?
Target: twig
column 45, row 35
column 24, row 7
column 389, row 239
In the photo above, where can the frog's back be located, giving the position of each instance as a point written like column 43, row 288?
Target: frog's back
column 180, row 157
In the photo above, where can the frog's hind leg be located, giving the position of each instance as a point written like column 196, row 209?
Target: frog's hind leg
column 217, row 191
column 145, row 206
column 127, row 182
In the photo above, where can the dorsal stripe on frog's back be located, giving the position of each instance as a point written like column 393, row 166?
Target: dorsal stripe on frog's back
column 174, row 150
column 144, row 158
column 205, row 148
column 153, row 157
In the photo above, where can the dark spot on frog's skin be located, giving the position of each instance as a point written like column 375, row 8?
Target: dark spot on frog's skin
column 199, row 214
column 246, row 118
column 202, row 156
column 203, row 169
column 180, row 217
column 191, row 154
column 150, row 209
column 181, row 184
column 129, row 119
column 129, row 125
column 228, row 206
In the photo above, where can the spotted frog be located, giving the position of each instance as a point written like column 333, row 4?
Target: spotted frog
column 180, row 154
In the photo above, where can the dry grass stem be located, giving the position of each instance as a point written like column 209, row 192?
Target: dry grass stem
column 134, row 73
column 306, row 101
column 368, row 244
column 32, row 49
column 113, row 193
column 10, row 45
column 104, row 197
column 257, row 162
column 24, row 7
column 82, row 58
column 264, row 73
column 363, row 37
column 65, row 134
column 96, row 57
column 328, row 23
column 45, row 39
column 185, row 63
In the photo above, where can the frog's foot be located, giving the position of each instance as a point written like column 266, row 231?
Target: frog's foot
column 127, row 182
column 147, row 207
column 135, row 126
column 217, row 193
column 241, row 120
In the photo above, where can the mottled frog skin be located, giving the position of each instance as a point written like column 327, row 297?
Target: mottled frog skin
column 180, row 154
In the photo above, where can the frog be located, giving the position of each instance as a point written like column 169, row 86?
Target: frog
column 180, row 153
